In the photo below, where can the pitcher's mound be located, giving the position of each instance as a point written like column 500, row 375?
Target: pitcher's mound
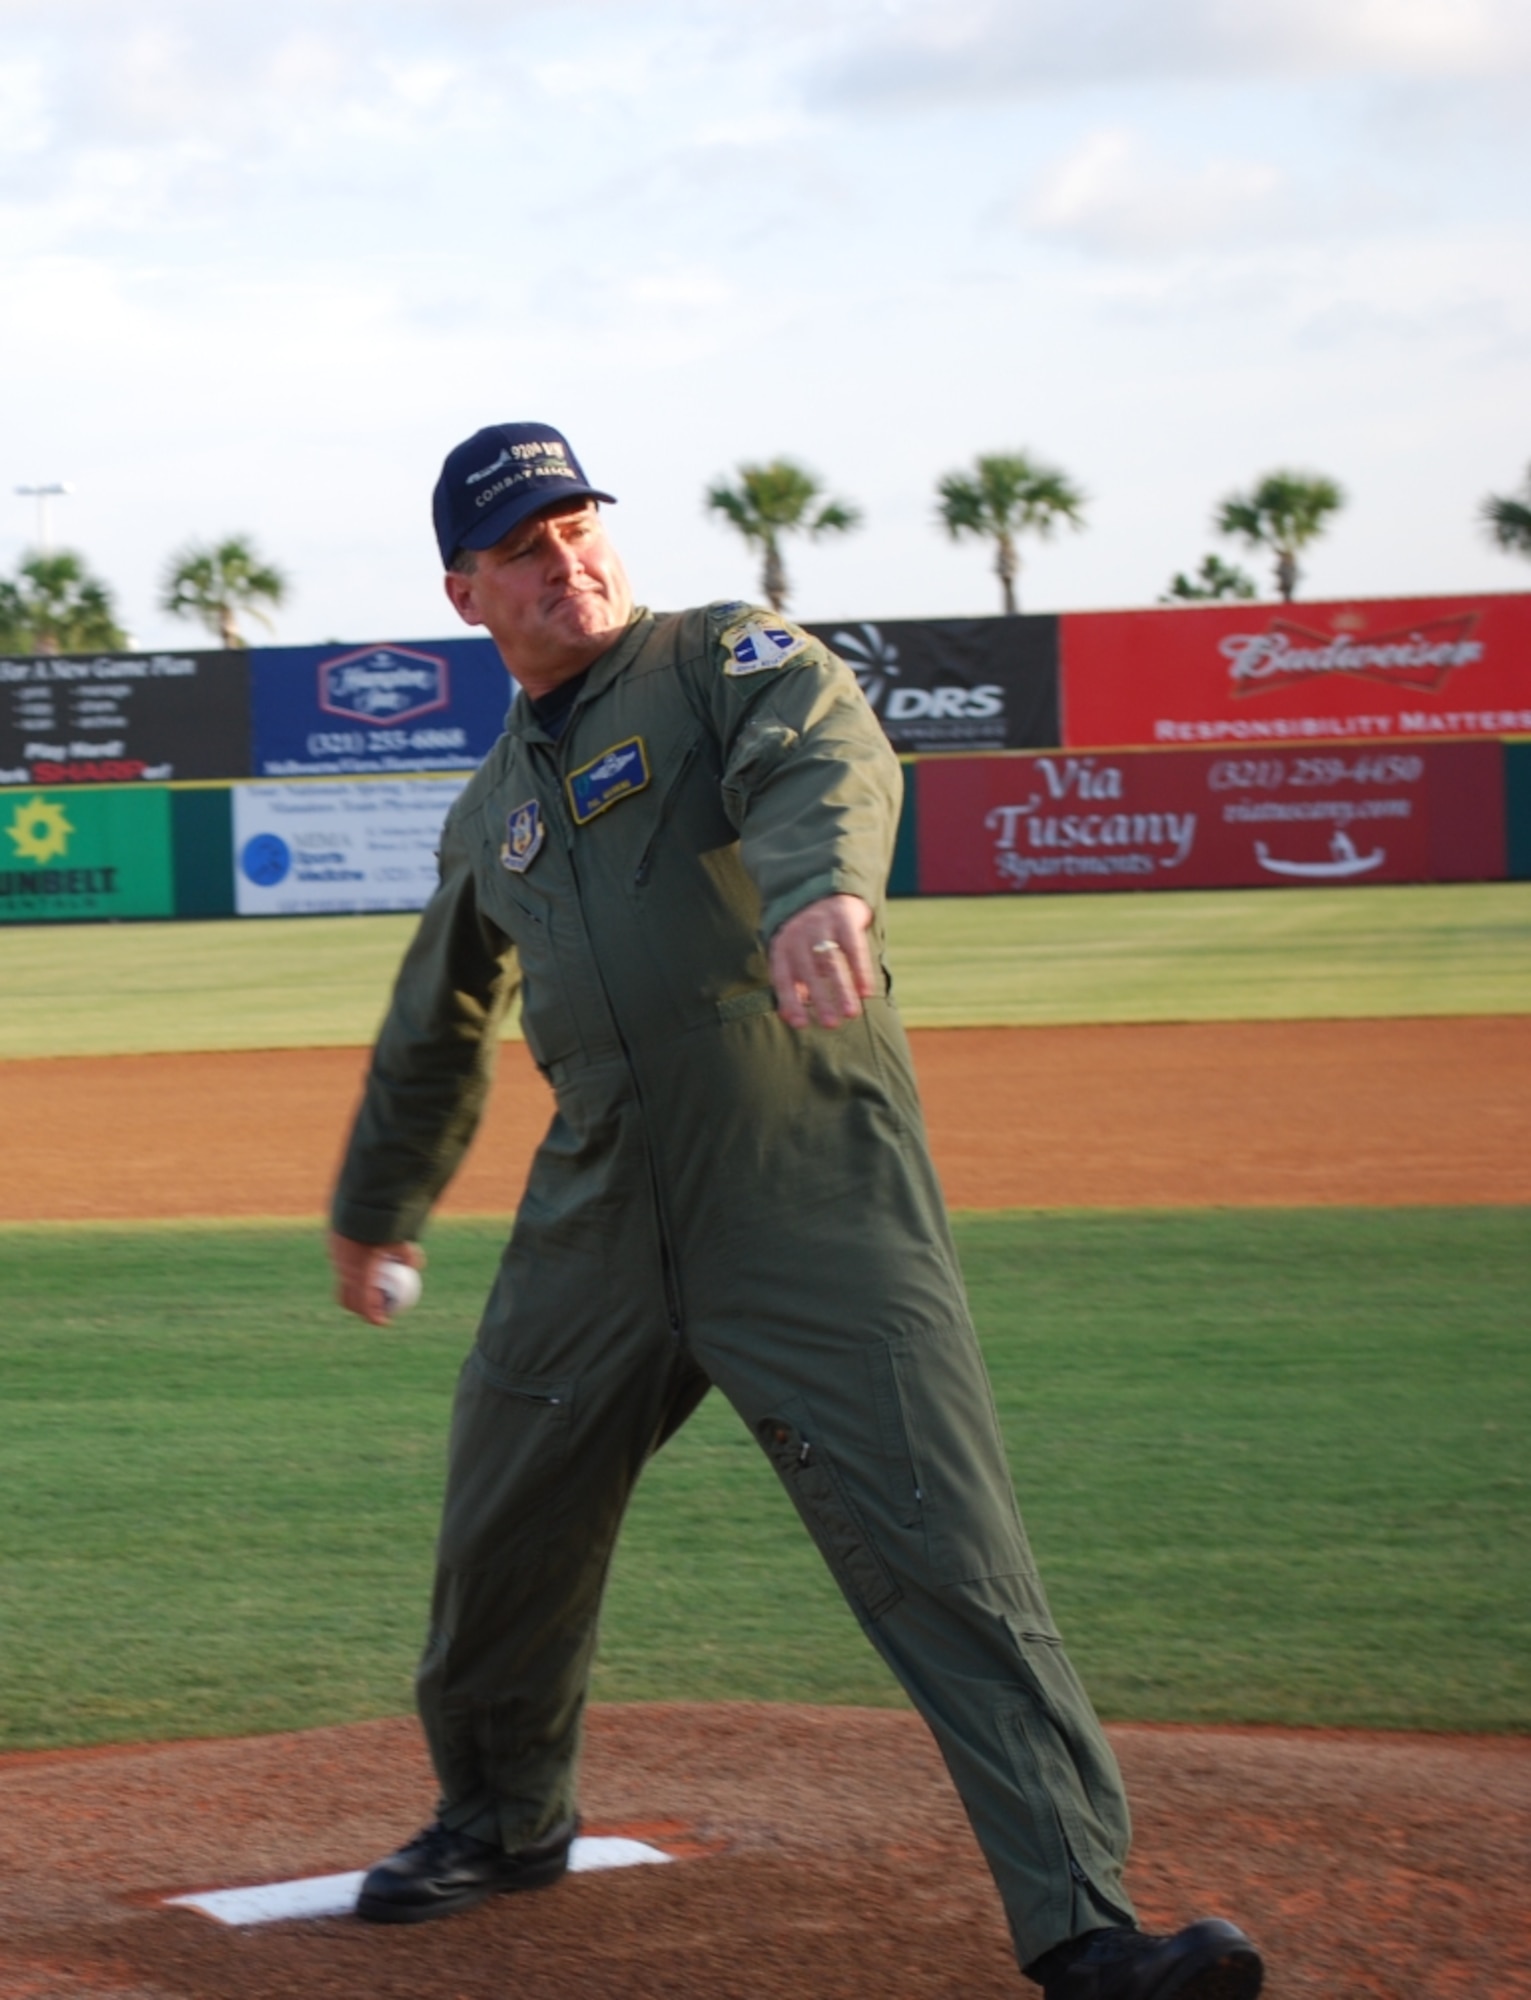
column 823, row 1857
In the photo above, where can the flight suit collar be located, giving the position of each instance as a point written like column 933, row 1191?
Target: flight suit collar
column 523, row 724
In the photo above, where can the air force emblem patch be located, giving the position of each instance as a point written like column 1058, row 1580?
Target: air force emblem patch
column 616, row 773
column 525, row 831
column 756, row 643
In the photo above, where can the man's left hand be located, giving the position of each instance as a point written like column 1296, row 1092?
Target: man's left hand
column 820, row 965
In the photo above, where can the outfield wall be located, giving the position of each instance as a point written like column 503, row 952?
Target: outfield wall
column 1245, row 675
column 1248, row 744
column 1009, row 823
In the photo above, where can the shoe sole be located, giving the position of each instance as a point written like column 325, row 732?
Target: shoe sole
column 1236, row 1973
column 536, row 1875
column 1236, row 1977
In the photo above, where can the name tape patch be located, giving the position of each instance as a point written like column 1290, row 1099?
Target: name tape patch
column 755, row 644
column 614, row 775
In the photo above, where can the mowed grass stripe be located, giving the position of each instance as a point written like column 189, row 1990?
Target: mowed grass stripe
column 1284, row 954
column 1274, row 1465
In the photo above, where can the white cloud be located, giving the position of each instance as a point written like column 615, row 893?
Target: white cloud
column 24, row 121
column 1113, row 193
column 263, row 266
column 955, row 50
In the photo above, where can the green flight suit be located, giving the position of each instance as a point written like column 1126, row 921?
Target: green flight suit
column 720, row 1200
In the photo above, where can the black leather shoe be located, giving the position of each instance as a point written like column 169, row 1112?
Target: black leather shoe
column 1211, row 1960
column 440, row 1871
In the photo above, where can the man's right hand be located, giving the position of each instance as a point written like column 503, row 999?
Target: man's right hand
column 356, row 1268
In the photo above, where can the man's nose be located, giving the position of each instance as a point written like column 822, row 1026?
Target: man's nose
column 563, row 558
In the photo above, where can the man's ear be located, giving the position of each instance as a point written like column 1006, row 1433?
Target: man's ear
column 459, row 589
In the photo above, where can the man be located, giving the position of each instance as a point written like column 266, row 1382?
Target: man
column 677, row 853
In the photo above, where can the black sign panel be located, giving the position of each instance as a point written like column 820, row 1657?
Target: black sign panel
column 956, row 683
column 115, row 718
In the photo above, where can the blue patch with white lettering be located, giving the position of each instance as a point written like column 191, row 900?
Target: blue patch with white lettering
column 614, row 775
column 755, row 643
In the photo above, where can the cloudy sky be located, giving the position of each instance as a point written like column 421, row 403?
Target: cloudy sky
column 261, row 266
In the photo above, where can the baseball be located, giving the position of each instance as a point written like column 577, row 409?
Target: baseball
column 399, row 1285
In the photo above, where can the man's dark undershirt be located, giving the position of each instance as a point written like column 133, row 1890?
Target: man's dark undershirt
column 553, row 710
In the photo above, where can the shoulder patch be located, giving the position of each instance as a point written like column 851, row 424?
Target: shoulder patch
column 757, row 642
column 525, row 831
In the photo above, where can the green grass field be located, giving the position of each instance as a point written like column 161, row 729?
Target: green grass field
column 1259, row 954
column 1275, row 1466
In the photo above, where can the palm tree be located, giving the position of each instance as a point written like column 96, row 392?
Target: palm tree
column 776, row 499
column 1285, row 512
column 1215, row 579
column 1007, row 494
column 1508, row 519
column 215, row 583
column 13, row 632
column 55, row 605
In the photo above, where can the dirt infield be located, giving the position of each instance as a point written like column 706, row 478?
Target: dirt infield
column 835, row 1862
column 1230, row 1113
column 835, row 1865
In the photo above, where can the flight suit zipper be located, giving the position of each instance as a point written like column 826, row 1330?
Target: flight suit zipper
column 554, row 753
column 666, row 808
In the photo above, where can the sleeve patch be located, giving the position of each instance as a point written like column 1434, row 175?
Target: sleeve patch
column 754, row 644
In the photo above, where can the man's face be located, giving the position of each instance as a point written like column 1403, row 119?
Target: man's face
column 553, row 595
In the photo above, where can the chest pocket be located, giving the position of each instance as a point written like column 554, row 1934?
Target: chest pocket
column 669, row 788
column 527, row 912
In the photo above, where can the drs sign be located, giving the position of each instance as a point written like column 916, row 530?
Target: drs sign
column 1188, row 820
column 956, row 683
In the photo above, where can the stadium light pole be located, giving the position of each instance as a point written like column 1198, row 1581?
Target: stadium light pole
column 42, row 495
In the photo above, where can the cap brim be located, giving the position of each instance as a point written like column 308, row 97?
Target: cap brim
column 521, row 506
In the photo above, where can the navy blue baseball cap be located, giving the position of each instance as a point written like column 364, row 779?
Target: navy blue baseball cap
column 495, row 478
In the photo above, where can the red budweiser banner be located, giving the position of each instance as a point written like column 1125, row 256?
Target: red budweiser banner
column 1383, row 669
column 1191, row 819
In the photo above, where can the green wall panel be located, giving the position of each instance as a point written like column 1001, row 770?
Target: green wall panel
column 85, row 853
column 1517, row 810
column 202, row 826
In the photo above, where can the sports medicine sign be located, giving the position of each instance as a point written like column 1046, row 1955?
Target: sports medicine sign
column 1423, row 669
column 310, row 849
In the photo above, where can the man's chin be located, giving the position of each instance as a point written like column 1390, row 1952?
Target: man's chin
column 591, row 624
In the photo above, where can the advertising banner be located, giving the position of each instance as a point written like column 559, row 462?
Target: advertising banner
column 1287, row 674
column 343, row 711
column 123, row 718
column 956, row 683
column 309, row 849
column 1190, row 820
column 85, row 854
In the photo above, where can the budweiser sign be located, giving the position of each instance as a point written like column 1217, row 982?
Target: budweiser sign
column 1381, row 669
column 1420, row 657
